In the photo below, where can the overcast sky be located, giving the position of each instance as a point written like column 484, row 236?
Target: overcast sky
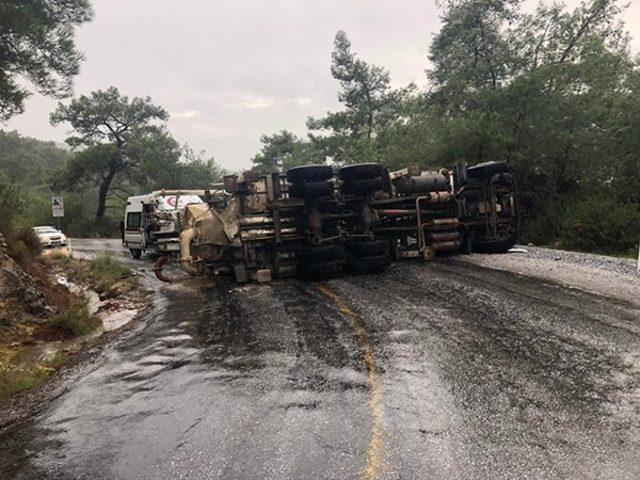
column 231, row 70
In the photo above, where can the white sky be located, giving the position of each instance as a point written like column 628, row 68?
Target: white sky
column 231, row 70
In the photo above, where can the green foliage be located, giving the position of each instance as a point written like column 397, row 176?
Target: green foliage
column 348, row 135
column 37, row 45
column 284, row 150
column 105, row 273
column 181, row 168
column 602, row 225
column 108, row 267
column 115, row 131
column 18, row 378
column 23, row 245
column 29, row 161
column 10, row 204
column 12, row 384
column 552, row 92
column 76, row 320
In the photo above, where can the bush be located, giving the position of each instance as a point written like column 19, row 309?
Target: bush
column 602, row 225
column 14, row 381
column 12, row 384
column 23, row 245
column 106, row 266
column 11, row 204
column 105, row 272
column 76, row 320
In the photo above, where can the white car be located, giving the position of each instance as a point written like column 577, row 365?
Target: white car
column 51, row 237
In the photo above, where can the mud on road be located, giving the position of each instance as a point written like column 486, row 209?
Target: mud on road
column 449, row 370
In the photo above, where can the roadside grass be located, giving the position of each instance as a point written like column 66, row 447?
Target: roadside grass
column 14, row 381
column 76, row 320
column 55, row 257
column 106, row 273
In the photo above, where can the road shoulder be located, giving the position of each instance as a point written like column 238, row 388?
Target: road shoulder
column 611, row 277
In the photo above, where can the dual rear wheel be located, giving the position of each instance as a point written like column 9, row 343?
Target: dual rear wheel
column 310, row 181
column 368, row 256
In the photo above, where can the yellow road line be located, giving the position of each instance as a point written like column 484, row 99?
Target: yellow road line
column 375, row 396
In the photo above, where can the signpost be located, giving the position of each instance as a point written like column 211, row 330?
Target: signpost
column 57, row 209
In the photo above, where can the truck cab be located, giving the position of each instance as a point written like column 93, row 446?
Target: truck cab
column 151, row 220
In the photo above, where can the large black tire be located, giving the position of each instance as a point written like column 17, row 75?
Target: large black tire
column 502, row 245
column 360, row 171
column 488, row 169
column 311, row 189
column 362, row 187
column 309, row 173
column 368, row 264
column 320, row 253
column 366, row 248
column 321, row 269
column 136, row 253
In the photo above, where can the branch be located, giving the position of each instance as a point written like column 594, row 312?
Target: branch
column 583, row 28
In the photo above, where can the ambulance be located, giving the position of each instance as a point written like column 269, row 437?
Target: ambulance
column 151, row 220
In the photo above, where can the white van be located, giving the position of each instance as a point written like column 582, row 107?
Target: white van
column 150, row 220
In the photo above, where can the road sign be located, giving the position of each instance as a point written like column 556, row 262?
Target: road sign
column 57, row 206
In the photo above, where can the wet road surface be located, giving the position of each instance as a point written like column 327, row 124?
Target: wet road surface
column 445, row 371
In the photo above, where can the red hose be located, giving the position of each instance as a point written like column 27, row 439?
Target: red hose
column 157, row 268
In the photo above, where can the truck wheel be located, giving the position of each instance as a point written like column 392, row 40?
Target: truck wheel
column 136, row 253
column 502, row 245
column 310, row 254
column 309, row 173
column 374, row 263
column 362, row 187
column 311, row 189
column 321, row 269
column 365, row 248
column 360, row 171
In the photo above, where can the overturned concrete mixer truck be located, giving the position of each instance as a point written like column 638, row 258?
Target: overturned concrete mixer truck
column 316, row 222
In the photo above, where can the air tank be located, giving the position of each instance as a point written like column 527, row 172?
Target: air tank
column 430, row 182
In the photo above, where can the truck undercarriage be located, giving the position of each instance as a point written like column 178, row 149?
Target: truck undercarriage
column 315, row 222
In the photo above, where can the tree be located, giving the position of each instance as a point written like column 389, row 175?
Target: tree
column 114, row 129
column 28, row 161
column 543, row 90
column 197, row 170
column 364, row 93
column 182, row 168
column 284, row 150
column 36, row 44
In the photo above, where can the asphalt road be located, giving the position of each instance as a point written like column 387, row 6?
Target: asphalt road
column 442, row 371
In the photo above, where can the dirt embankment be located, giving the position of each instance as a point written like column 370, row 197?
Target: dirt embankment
column 55, row 306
